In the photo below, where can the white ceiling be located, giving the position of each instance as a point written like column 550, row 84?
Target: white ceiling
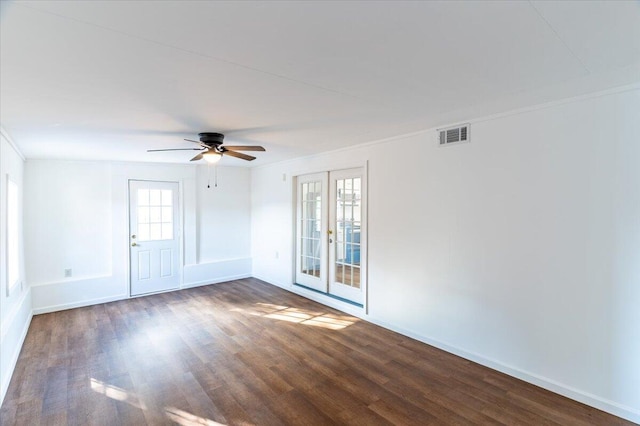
column 109, row 80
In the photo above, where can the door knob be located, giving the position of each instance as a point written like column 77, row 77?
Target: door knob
column 133, row 244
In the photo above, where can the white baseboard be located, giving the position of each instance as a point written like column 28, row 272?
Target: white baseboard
column 6, row 379
column 595, row 401
column 78, row 304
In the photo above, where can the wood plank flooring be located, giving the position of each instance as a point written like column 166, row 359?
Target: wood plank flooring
column 248, row 353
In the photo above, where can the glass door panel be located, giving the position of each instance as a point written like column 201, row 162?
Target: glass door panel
column 345, row 277
column 311, row 230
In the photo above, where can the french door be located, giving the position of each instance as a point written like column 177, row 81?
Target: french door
column 311, row 241
column 154, row 238
column 331, row 233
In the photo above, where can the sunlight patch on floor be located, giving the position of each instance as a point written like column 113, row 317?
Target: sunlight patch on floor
column 116, row 393
column 185, row 418
column 174, row 414
column 302, row 316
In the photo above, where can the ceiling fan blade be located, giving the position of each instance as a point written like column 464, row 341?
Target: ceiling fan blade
column 239, row 155
column 197, row 157
column 244, row 148
column 174, row 149
column 198, row 142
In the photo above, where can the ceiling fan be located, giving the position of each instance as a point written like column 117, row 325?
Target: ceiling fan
column 212, row 148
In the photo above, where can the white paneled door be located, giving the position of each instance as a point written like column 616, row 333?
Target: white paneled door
column 330, row 233
column 153, row 236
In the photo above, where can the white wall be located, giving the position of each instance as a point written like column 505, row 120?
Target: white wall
column 224, row 227
column 76, row 217
column 224, row 213
column 519, row 250
column 69, row 220
column 15, row 307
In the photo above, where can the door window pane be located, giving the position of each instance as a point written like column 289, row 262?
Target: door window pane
column 348, row 217
column 143, row 197
column 154, row 197
column 155, row 214
column 155, row 231
column 143, row 214
column 310, row 245
column 167, row 214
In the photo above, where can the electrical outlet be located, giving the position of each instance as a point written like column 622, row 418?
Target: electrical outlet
column 67, row 273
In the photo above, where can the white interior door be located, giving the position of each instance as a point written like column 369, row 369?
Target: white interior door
column 331, row 233
column 311, row 231
column 154, row 236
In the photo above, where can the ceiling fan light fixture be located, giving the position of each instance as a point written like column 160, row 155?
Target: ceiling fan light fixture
column 211, row 148
column 211, row 156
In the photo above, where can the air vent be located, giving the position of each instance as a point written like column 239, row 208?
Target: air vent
column 454, row 135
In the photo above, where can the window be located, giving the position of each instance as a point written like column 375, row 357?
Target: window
column 155, row 214
column 13, row 258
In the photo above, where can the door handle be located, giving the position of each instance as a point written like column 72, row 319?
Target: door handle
column 134, row 244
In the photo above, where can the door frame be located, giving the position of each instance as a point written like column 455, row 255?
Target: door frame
column 326, row 298
column 180, row 231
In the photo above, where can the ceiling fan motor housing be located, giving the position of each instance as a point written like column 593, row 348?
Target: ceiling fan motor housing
column 211, row 138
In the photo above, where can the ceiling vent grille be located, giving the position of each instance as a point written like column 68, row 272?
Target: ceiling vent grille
column 453, row 135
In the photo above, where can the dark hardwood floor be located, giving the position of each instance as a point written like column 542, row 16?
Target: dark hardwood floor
column 248, row 353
